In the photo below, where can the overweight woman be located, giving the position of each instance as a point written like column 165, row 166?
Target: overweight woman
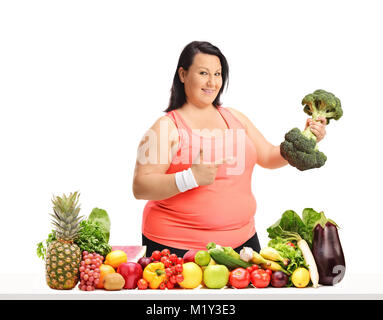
column 194, row 165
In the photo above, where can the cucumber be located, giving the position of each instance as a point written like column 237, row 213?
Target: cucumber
column 220, row 257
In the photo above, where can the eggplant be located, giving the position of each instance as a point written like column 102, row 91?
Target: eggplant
column 327, row 252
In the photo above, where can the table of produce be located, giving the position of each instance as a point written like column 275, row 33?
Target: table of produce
column 302, row 252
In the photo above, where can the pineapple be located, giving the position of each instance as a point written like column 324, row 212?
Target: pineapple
column 63, row 255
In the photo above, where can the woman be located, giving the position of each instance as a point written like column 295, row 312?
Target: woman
column 195, row 167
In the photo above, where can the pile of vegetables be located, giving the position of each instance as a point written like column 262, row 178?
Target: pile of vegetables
column 93, row 235
column 316, row 239
column 300, row 148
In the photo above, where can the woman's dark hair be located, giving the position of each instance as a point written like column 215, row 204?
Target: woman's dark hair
column 177, row 97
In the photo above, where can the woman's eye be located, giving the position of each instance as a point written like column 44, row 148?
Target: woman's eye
column 218, row 74
column 202, row 72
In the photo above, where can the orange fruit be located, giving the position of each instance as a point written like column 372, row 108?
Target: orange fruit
column 104, row 270
column 115, row 258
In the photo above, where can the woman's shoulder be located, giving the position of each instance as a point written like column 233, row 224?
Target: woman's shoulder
column 164, row 126
column 164, row 120
column 239, row 115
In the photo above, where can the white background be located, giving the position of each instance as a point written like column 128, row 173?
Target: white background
column 81, row 82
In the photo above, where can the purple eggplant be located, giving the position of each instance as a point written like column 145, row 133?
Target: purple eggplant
column 327, row 252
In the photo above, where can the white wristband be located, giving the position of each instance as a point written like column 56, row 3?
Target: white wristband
column 185, row 180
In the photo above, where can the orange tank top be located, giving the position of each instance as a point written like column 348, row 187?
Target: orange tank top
column 222, row 212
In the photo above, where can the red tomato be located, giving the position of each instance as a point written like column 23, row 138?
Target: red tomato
column 255, row 267
column 249, row 269
column 239, row 278
column 164, row 259
column 169, row 285
column 260, row 278
column 173, row 258
column 290, row 244
column 252, row 268
column 156, row 255
column 142, row 284
column 165, row 252
column 268, row 271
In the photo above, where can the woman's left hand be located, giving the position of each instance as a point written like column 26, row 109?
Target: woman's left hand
column 318, row 127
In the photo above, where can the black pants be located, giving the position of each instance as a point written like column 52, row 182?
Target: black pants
column 151, row 246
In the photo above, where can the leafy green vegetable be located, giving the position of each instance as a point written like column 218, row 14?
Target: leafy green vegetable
column 42, row 247
column 290, row 226
column 102, row 217
column 294, row 254
column 92, row 238
column 310, row 217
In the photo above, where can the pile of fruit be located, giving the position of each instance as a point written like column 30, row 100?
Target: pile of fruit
column 121, row 269
column 77, row 252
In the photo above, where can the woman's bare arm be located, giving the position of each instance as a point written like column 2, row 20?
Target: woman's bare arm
column 154, row 156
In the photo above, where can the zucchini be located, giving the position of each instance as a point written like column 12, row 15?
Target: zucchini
column 220, row 257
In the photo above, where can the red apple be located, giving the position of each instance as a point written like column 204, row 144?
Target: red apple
column 189, row 255
column 131, row 272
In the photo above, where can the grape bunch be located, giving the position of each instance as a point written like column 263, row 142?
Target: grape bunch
column 173, row 267
column 90, row 270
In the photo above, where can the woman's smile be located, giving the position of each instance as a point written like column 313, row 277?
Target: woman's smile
column 208, row 91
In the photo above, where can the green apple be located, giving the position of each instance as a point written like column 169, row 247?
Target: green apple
column 216, row 276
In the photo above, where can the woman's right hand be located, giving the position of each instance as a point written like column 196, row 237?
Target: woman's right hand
column 205, row 172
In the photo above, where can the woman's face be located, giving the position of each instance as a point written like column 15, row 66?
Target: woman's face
column 203, row 80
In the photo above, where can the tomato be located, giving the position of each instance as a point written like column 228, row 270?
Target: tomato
column 179, row 278
column 260, row 278
column 169, row 285
column 168, row 272
column 255, row 267
column 173, row 258
column 167, row 263
column 179, row 268
column 269, row 272
column 173, row 279
column 156, row 255
column 290, row 244
column 239, row 278
column 142, row 284
column 164, row 259
column 165, row 252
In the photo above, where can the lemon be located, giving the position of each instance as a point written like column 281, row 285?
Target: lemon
column 300, row 277
column 115, row 258
column 192, row 273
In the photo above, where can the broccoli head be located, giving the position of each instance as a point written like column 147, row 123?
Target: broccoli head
column 322, row 104
column 300, row 148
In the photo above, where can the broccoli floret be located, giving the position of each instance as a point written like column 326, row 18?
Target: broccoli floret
column 322, row 104
column 300, row 148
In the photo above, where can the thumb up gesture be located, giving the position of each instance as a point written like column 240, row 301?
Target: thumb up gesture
column 205, row 172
